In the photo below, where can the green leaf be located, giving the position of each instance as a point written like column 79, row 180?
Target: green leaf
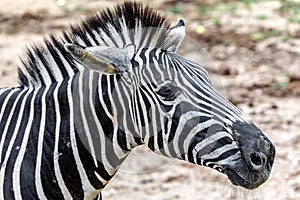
column 176, row 9
column 257, row 36
column 225, row 8
column 203, row 9
column 262, row 17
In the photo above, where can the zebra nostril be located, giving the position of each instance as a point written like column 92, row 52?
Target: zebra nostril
column 256, row 160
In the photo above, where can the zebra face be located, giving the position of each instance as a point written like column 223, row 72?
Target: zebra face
column 208, row 130
column 179, row 114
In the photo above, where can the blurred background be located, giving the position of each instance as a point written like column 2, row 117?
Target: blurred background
column 251, row 49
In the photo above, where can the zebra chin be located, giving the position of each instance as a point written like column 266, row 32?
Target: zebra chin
column 250, row 181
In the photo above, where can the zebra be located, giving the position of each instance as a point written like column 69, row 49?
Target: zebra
column 88, row 97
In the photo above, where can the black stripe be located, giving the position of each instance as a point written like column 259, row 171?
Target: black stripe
column 48, row 177
column 142, row 55
column 6, row 113
column 198, row 138
column 202, row 134
column 7, row 185
column 174, row 124
column 123, row 108
column 89, row 167
column 140, row 113
column 105, row 121
column 27, row 174
column 223, row 156
column 41, row 56
column 66, row 160
column 3, row 96
column 90, row 32
column 220, row 105
column 121, row 138
column 53, row 51
column 11, row 124
column 214, row 146
column 151, row 143
column 105, row 92
column 160, row 140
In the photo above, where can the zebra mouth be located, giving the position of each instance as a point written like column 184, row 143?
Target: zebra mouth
column 238, row 180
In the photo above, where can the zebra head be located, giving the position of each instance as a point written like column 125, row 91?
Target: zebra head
column 173, row 105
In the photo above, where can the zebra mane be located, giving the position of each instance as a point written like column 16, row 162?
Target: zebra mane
column 128, row 23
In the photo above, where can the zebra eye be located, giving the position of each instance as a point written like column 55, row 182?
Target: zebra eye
column 168, row 92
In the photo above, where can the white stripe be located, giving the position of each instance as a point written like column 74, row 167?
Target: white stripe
column 136, row 115
column 115, row 36
column 127, row 96
column 210, row 106
column 90, row 39
column 144, row 41
column 144, row 111
column 157, row 66
column 182, row 123
column 100, row 178
column 128, row 134
column 206, row 87
column 145, row 81
column 44, row 74
column 2, row 90
column 138, row 33
column 217, row 152
column 156, row 129
column 56, row 153
column 38, row 181
column 22, row 151
column 89, row 191
column 110, row 170
column 106, row 164
column 106, row 38
column 123, row 108
column 209, row 140
column 117, row 149
column 231, row 159
column 3, row 136
column 80, row 41
column 187, row 84
column 82, row 111
column 230, row 107
column 107, row 113
column 55, row 71
column 66, row 64
column 125, row 31
column 98, row 38
column 3, row 107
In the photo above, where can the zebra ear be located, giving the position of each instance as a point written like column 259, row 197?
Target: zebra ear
column 176, row 35
column 89, row 60
column 120, row 58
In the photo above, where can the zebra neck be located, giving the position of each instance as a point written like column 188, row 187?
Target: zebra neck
column 102, row 116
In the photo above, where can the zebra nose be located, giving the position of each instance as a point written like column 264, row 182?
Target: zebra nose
column 257, row 160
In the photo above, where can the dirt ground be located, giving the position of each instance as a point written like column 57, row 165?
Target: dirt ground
column 255, row 48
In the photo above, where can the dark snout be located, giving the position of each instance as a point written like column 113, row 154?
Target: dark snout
column 257, row 156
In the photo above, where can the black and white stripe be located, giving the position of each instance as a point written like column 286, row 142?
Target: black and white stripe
column 66, row 129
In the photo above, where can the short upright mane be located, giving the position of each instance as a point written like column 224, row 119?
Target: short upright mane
column 128, row 23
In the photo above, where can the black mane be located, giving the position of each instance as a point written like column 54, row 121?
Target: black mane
column 49, row 62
